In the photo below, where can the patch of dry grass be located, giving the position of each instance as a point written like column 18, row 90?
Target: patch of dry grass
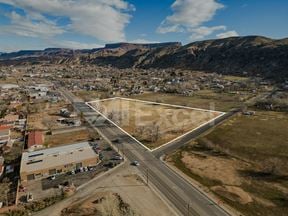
column 151, row 123
column 67, row 138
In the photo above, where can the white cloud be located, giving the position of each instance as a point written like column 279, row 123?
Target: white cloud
column 102, row 19
column 203, row 31
column 189, row 14
column 73, row 45
column 227, row 34
column 13, row 47
column 163, row 28
column 143, row 41
column 25, row 26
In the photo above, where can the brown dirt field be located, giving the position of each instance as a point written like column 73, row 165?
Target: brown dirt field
column 239, row 184
column 45, row 114
column 233, row 193
column 100, row 204
column 221, row 169
column 254, row 138
column 142, row 120
column 67, row 138
column 91, row 95
column 125, row 182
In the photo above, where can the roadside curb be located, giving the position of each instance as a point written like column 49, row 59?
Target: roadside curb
column 99, row 176
column 160, row 195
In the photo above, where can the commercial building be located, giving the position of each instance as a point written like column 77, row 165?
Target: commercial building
column 51, row 161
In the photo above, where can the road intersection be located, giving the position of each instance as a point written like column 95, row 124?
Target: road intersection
column 177, row 191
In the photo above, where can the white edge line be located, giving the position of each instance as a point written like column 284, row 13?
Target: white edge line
column 179, row 137
column 150, row 102
column 87, row 103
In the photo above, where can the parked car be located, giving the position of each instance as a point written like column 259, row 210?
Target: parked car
column 110, row 164
column 117, row 157
column 71, row 172
column 29, row 197
column 53, row 177
column 91, row 168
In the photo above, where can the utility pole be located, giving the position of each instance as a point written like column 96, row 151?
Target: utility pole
column 7, row 203
column 188, row 209
column 147, row 176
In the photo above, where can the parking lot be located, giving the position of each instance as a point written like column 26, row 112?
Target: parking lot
column 52, row 185
column 76, row 179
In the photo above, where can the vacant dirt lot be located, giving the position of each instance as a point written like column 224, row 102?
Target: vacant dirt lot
column 102, row 203
column 125, row 189
column 44, row 116
column 205, row 99
column 243, row 162
column 151, row 123
column 256, row 138
column 91, row 95
column 67, row 138
column 123, row 181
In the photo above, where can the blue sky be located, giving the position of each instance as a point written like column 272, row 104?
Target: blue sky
column 37, row 24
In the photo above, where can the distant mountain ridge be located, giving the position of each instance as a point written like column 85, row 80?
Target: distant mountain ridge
column 252, row 55
column 145, row 46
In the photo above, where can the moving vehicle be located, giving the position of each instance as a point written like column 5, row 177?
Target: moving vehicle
column 135, row 163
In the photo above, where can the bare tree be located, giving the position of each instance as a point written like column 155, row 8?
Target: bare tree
column 149, row 132
column 155, row 132
column 50, row 124
column 115, row 116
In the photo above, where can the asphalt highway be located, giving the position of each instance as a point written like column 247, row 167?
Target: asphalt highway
column 192, row 135
column 177, row 191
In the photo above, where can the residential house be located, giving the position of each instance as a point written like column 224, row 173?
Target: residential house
column 10, row 119
column 1, row 166
column 4, row 134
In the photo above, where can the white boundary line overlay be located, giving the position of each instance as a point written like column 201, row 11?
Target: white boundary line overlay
column 88, row 104
column 156, row 103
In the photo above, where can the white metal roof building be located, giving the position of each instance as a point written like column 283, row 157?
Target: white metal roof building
column 60, row 159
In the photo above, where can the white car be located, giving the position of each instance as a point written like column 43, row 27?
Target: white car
column 117, row 157
column 53, row 177
column 29, row 197
column 135, row 163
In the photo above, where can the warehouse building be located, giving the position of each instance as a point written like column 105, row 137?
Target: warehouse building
column 51, row 161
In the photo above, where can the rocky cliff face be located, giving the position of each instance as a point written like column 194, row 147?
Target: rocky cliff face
column 252, row 55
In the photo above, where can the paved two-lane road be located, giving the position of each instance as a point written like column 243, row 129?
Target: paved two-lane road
column 184, row 197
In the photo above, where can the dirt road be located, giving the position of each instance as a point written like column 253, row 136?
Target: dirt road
column 123, row 180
